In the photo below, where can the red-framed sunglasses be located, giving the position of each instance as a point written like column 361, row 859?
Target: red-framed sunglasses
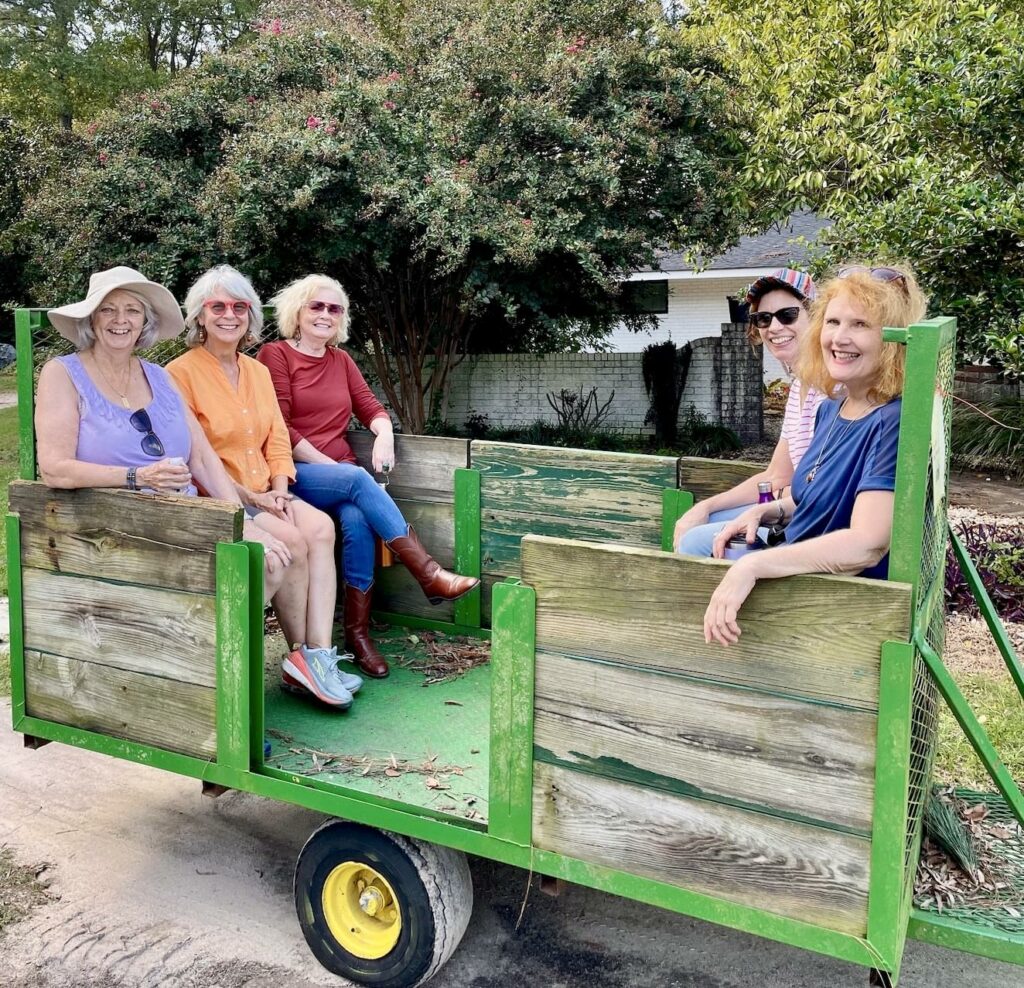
column 218, row 308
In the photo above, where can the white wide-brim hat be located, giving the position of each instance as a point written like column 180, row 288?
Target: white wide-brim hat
column 66, row 319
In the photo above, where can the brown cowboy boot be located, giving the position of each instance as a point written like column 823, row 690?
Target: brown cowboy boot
column 437, row 583
column 357, row 633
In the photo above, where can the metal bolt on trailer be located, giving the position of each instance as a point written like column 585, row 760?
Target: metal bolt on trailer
column 811, row 805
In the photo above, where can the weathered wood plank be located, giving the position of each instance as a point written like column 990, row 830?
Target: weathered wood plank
column 642, row 607
column 697, row 738
column 138, row 538
column 810, row 874
column 703, row 477
column 426, row 464
column 148, row 709
column 572, row 493
column 147, row 630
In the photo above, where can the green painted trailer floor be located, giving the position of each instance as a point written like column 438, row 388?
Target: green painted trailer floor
column 421, row 745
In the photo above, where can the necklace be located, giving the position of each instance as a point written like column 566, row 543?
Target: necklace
column 122, row 394
column 828, row 435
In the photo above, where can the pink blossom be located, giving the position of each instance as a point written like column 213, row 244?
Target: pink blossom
column 428, row 179
column 154, row 104
column 463, row 162
column 275, row 26
column 331, row 129
column 251, row 100
column 389, row 105
column 313, row 122
column 391, row 77
column 103, row 157
column 91, row 129
column 527, row 221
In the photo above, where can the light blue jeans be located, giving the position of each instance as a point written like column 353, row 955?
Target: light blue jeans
column 698, row 541
column 360, row 504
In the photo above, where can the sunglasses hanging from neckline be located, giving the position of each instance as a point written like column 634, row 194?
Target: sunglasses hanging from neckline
column 141, row 422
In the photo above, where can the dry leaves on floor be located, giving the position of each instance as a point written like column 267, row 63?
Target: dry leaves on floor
column 447, row 657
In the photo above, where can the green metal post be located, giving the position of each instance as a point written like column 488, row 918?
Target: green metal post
column 26, row 323
column 513, row 653
column 972, row 728
column 233, row 651
column 674, row 504
column 988, row 611
column 17, row 619
column 886, row 933
column 255, row 653
column 467, row 543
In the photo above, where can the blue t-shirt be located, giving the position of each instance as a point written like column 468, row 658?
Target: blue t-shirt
column 855, row 456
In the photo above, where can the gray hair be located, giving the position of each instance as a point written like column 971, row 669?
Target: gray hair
column 232, row 282
column 150, row 326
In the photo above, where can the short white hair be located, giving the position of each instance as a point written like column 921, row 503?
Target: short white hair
column 232, row 282
column 150, row 326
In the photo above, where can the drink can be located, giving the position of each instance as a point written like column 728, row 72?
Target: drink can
column 765, row 492
column 738, row 547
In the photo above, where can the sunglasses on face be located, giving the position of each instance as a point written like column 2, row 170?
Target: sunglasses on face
column 151, row 444
column 238, row 309
column 880, row 274
column 786, row 316
column 332, row 308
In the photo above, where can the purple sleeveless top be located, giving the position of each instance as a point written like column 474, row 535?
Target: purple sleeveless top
column 105, row 432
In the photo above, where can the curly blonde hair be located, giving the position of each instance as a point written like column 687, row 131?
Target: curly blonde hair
column 288, row 302
column 896, row 303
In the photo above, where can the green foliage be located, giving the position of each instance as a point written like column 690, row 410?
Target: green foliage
column 901, row 120
column 665, row 369
column 991, row 435
column 477, row 175
column 699, row 437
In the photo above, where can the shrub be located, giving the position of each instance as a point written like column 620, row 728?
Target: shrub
column 991, row 435
column 665, row 368
column 998, row 554
column 699, row 437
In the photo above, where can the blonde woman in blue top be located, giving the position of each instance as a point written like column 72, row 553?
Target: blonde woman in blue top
column 840, row 510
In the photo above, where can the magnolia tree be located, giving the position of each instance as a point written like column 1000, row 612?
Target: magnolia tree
column 478, row 175
column 902, row 120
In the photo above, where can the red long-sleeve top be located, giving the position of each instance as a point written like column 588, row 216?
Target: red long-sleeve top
column 319, row 395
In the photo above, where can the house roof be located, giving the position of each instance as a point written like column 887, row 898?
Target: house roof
column 777, row 247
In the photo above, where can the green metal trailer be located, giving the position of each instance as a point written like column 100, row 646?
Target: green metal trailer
column 775, row 787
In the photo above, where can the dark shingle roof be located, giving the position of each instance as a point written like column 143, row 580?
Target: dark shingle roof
column 777, row 247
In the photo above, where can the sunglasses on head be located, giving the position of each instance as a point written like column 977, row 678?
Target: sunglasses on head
column 218, row 308
column 141, row 422
column 879, row 274
column 786, row 316
column 333, row 308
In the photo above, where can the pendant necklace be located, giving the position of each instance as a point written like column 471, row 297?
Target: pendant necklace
column 123, row 395
column 828, row 435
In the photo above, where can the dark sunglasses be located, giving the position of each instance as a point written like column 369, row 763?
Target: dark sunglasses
column 333, row 308
column 238, row 309
column 880, row 274
column 151, row 444
column 786, row 316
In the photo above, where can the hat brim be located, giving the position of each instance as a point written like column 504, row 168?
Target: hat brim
column 169, row 320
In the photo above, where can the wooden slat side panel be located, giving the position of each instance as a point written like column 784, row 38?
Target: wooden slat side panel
column 165, row 633
column 425, row 468
column 136, row 538
column 791, row 869
column 646, row 608
column 698, row 738
column 147, row 709
column 570, row 493
column 704, row 477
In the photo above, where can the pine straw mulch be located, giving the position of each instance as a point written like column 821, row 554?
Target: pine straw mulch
column 447, row 658
column 941, row 884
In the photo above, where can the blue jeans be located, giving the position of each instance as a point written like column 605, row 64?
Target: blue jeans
column 698, row 541
column 363, row 508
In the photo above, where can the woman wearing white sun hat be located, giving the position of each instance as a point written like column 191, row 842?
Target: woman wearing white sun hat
column 778, row 319
column 106, row 418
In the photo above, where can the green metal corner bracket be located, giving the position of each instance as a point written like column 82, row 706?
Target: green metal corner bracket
column 234, row 630
column 674, row 504
column 17, row 619
column 467, row 543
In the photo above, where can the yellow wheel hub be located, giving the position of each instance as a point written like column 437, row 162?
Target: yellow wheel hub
column 361, row 910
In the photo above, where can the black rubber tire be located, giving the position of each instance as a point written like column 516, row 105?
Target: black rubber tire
column 433, row 887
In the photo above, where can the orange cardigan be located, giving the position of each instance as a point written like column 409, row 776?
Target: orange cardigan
column 245, row 427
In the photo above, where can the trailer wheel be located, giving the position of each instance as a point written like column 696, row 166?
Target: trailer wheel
column 378, row 908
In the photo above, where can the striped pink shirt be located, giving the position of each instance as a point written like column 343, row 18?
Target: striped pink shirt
column 798, row 422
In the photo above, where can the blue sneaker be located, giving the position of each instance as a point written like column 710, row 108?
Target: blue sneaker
column 349, row 680
column 314, row 673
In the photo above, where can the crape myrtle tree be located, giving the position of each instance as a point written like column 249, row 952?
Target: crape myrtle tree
column 902, row 120
column 478, row 175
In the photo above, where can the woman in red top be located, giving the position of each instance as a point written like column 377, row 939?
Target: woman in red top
column 319, row 388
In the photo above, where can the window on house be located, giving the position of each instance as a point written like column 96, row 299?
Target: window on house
column 644, row 297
